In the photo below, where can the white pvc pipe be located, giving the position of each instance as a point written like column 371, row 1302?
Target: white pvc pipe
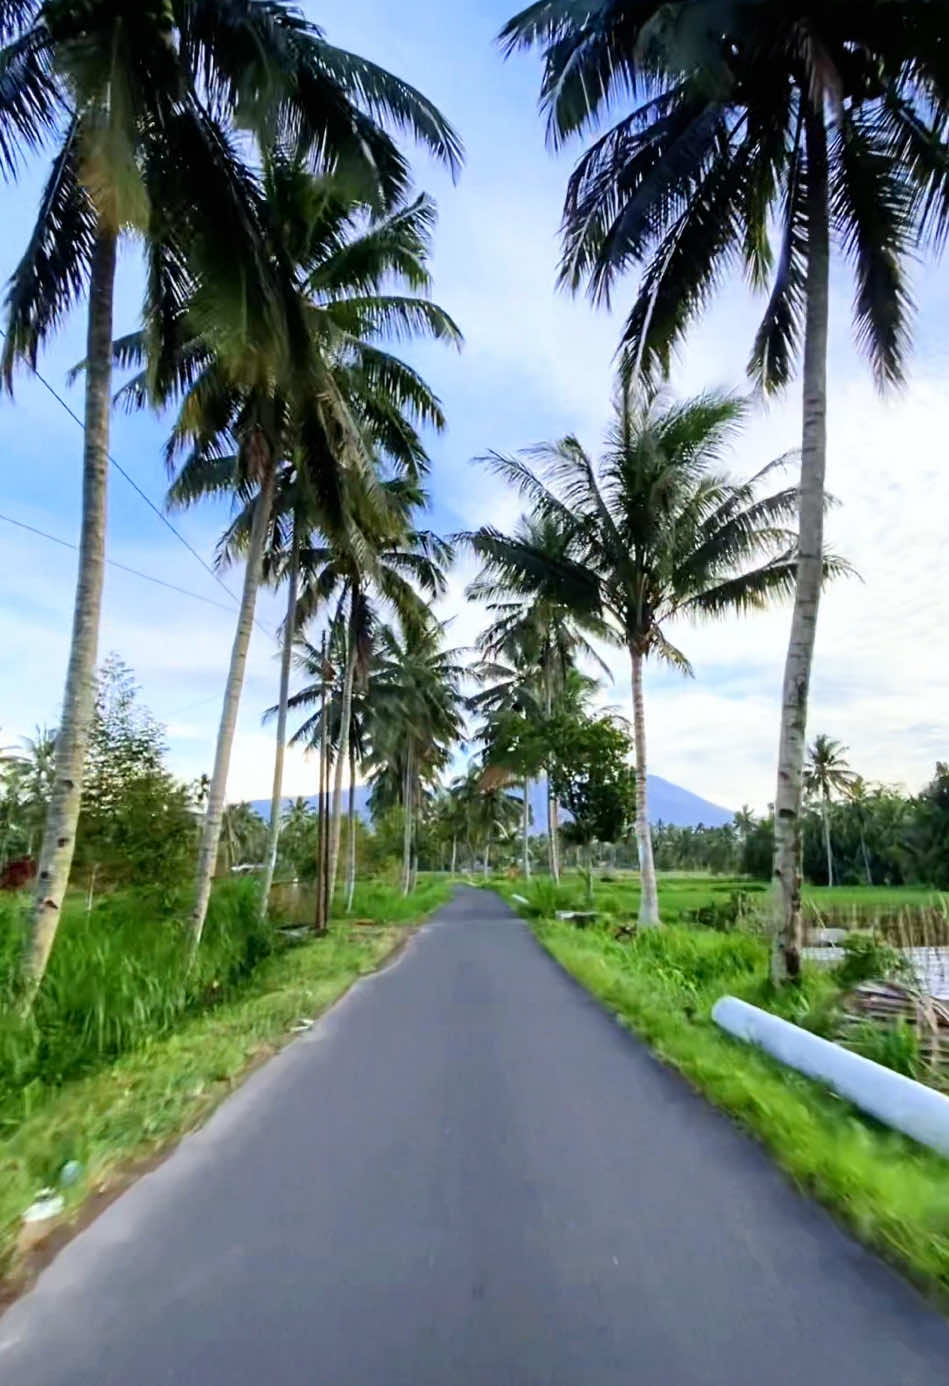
column 907, row 1106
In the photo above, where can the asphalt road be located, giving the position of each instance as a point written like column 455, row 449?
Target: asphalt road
column 468, row 1175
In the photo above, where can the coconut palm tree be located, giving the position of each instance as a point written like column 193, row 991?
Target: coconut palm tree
column 137, row 98
column 299, row 395
column 859, row 794
column 821, row 121
column 826, row 774
column 535, row 632
column 352, row 262
column 388, row 570
column 655, row 532
column 508, row 700
column 415, row 720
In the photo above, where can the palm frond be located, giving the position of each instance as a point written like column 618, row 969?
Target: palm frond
column 31, row 100
column 396, row 246
column 54, row 270
column 777, row 341
column 394, row 317
column 871, row 207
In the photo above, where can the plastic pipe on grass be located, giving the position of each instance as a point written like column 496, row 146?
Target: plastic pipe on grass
column 907, row 1106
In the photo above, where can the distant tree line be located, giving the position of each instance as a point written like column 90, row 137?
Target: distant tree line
column 878, row 835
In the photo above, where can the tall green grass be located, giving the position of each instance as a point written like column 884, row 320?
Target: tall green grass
column 118, row 976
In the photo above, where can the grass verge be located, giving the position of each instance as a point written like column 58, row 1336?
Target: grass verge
column 893, row 1194
column 134, row 1108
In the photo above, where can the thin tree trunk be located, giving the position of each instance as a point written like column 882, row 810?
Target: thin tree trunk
column 454, row 852
column 830, row 855
column 322, row 907
column 553, row 854
column 866, row 859
column 211, row 835
column 786, row 882
column 486, row 862
column 327, row 902
column 351, row 878
column 345, row 722
column 648, row 890
column 407, row 823
column 525, row 830
column 276, row 800
column 72, row 738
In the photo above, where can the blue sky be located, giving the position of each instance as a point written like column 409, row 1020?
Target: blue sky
column 535, row 365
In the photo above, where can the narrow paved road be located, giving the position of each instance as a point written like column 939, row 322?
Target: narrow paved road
column 468, row 1175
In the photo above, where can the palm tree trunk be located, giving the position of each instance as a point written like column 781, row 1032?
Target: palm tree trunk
column 276, row 800
column 407, row 823
column 319, row 921
column 866, row 859
column 454, row 852
column 72, row 738
column 648, row 890
column 525, row 831
column 351, row 878
column 345, row 722
column 211, row 834
column 486, row 863
column 786, row 883
column 830, row 855
column 553, row 815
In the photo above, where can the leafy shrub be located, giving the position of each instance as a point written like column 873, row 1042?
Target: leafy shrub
column 868, row 959
column 733, row 913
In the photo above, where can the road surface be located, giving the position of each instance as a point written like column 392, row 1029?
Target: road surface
column 468, row 1175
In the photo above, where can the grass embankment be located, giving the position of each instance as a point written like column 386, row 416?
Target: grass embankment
column 892, row 1193
column 128, row 1050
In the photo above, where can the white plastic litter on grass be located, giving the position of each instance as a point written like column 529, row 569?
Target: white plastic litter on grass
column 47, row 1204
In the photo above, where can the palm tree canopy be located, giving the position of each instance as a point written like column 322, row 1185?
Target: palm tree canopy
column 655, row 531
column 827, row 772
column 535, row 636
column 141, row 99
column 315, row 379
column 707, row 159
column 416, row 705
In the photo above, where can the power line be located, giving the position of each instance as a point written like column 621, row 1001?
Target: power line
column 113, row 563
column 148, row 501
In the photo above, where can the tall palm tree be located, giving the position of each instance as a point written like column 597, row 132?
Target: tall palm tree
column 303, row 386
column 138, row 97
column 535, row 631
column 859, row 794
column 416, row 719
column 485, row 807
column 352, row 264
column 655, row 532
column 386, row 570
column 821, row 121
column 826, row 774
column 506, row 700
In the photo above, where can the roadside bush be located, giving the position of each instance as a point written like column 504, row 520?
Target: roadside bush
column 736, row 912
column 868, row 959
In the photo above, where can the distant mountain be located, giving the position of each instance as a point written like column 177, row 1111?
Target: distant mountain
column 668, row 803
